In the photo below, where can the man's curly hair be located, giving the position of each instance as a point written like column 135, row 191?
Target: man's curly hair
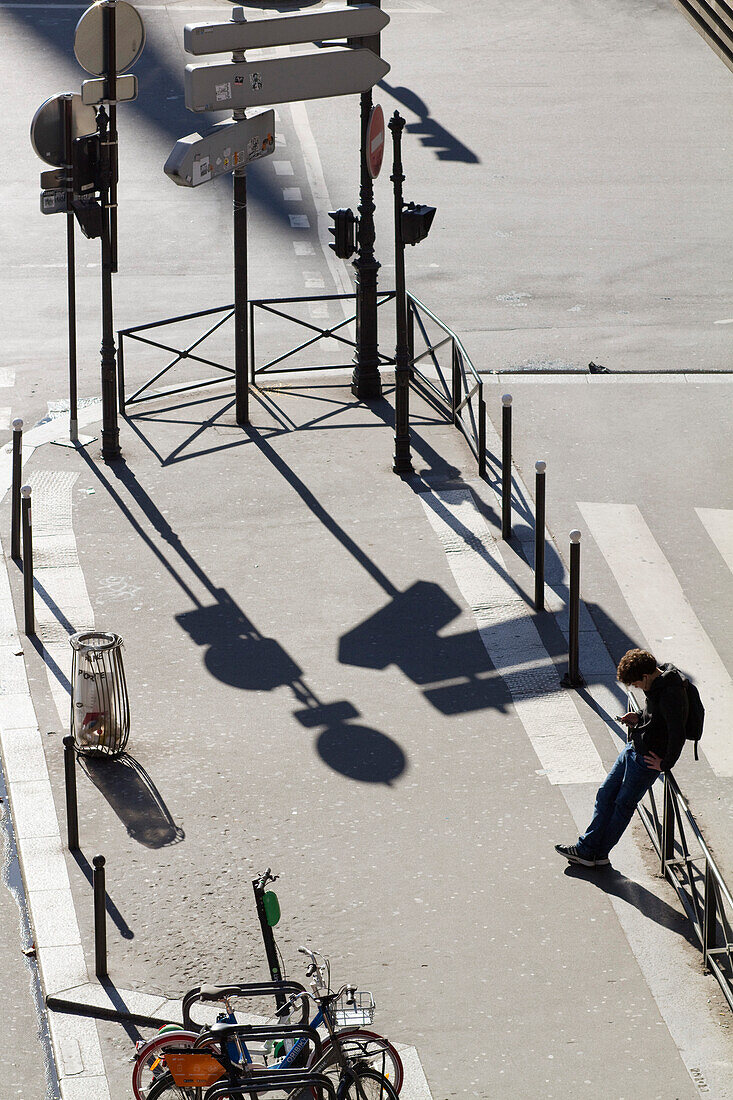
column 634, row 665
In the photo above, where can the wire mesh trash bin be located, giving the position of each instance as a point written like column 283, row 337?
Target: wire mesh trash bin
column 100, row 709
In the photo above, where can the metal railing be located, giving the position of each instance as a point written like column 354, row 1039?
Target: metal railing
column 686, row 862
column 332, row 332
column 459, row 386
column 179, row 354
column 713, row 20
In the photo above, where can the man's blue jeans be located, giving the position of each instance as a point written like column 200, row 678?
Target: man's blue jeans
column 623, row 788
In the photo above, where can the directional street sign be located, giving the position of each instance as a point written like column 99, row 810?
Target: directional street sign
column 232, row 143
column 234, row 85
column 360, row 21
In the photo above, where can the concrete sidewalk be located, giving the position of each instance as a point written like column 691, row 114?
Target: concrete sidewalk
column 322, row 682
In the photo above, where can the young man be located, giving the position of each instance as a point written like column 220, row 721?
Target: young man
column 656, row 738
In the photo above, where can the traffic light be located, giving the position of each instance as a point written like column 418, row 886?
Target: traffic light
column 416, row 222
column 86, row 165
column 344, row 230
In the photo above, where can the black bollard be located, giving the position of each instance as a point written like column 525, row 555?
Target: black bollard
column 100, row 918
column 72, row 812
column 573, row 678
column 15, row 491
column 506, row 466
column 539, row 536
column 27, row 525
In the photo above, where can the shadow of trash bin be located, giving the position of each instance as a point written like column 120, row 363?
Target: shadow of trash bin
column 100, row 709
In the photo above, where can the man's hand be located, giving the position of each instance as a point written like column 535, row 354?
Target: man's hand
column 630, row 718
column 653, row 761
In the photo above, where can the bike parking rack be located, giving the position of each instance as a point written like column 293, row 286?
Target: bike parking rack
column 694, row 874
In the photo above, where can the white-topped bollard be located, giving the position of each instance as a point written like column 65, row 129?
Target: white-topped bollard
column 573, row 677
column 539, row 535
column 506, row 466
column 27, row 525
column 15, row 489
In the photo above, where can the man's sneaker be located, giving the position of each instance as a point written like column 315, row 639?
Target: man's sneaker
column 572, row 855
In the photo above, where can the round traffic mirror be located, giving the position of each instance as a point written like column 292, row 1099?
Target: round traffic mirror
column 48, row 130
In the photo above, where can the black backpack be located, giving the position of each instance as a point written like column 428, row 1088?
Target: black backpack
column 695, row 713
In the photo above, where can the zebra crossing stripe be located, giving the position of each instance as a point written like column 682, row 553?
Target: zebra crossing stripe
column 547, row 712
column 718, row 522
column 666, row 620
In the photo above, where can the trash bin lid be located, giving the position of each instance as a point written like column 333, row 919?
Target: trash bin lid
column 94, row 641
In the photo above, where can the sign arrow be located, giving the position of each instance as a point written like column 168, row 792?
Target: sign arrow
column 235, row 85
column 231, row 143
column 360, row 21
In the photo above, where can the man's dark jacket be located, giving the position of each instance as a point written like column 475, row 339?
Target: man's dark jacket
column 661, row 726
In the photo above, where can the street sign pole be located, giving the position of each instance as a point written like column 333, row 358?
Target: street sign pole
column 110, row 428
column 70, row 273
column 402, row 457
column 366, row 383
column 241, row 293
column 109, row 17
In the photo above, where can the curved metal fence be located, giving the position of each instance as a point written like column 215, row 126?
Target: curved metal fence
column 687, row 863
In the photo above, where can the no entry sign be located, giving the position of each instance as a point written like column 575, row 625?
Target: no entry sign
column 375, row 141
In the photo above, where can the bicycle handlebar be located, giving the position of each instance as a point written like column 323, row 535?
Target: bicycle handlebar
column 209, row 993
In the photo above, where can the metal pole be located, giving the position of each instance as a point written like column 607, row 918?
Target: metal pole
column 241, row 341
column 365, row 381
column 573, row 677
column 70, row 273
column 667, row 845
column 241, row 293
column 100, row 918
column 110, row 31
column 27, row 525
column 15, row 488
column 506, row 466
column 402, row 456
column 710, row 913
column 72, row 811
column 110, row 428
column 539, row 536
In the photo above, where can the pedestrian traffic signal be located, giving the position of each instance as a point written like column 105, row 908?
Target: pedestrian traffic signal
column 416, row 222
column 344, row 230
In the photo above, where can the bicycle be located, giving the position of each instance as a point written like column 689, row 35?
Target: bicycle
column 360, row 1064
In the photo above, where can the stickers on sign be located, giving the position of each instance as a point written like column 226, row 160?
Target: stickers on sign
column 201, row 169
column 256, row 82
column 223, row 92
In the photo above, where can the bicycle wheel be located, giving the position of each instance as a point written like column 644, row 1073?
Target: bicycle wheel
column 366, row 1049
column 165, row 1088
column 150, row 1060
column 365, row 1084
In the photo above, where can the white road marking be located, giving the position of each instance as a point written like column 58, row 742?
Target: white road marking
column 718, row 523
column 321, row 201
column 299, row 221
column 283, row 168
column 668, row 624
column 5, row 414
column 303, row 248
column 547, row 712
column 292, row 194
column 7, row 378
